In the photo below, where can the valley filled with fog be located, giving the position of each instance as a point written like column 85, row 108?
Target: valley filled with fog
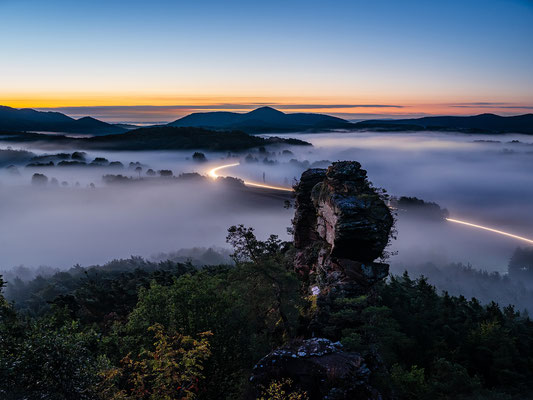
column 75, row 215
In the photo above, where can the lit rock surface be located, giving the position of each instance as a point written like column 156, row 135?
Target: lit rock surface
column 341, row 226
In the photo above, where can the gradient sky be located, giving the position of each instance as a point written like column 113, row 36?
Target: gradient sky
column 452, row 57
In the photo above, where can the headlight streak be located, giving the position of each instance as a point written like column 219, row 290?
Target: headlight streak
column 213, row 174
column 486, row 228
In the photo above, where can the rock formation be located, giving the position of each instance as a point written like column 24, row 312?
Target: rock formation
column 341, row 226
column 320, row 368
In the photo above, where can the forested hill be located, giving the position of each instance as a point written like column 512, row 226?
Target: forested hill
column 84, row 333
column 264, row 119
column 26, row 119
column 158, row 138
column 483, row 123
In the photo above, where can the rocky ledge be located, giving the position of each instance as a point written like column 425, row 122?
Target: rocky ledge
column 319, row 367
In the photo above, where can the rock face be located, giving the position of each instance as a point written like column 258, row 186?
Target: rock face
column 320, row 367
column 341, row 226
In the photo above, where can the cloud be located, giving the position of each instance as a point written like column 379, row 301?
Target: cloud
column 492, row 105
column 318, row 106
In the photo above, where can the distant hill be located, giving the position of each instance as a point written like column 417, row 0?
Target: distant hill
column 264, row 119
column 483, row 123
column 156, row 138
column 26, row 119
column 128, row 126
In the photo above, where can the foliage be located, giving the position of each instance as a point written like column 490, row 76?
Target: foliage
column 82, row 333
column 460, row 344
column 159, row 138
column 410, row 384
column 172, row 371
column 460, row 279
column 250, row 309
column 96, row 294
column 521, row 265
column 282, row 390
column 48, row 359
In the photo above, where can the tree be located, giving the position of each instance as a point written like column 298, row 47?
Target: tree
column 165, row 173
column 263, row 264
column 247, row 248
column 48, row 359
column 199, row 157
column 282, row 390
column 39, row 180
column 173, row 370
column 521, row 264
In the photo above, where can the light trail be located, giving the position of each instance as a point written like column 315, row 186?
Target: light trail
column 248, row 183
column 213, row 174
column 486, row 228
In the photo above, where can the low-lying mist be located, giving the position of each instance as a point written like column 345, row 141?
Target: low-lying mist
column 478, row 178
column 64, row 226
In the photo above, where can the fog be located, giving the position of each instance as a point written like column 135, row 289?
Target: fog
column 489, row 183
column 61, row 226
column 479, row 178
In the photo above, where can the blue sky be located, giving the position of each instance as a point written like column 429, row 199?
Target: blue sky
column 421, row 54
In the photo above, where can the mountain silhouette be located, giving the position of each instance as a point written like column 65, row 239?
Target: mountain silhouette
column 26, row 119
column 263, row 119
column 488, row 123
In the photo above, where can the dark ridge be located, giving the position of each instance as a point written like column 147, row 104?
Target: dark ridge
column 483, row 123
column 26, row 119
column 157, row 138
column 264, row 119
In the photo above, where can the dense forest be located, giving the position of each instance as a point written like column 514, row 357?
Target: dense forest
column 134, row 329
column 156, row 138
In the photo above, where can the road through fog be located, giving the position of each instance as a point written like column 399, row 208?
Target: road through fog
column 214, row 174
column 481, row 179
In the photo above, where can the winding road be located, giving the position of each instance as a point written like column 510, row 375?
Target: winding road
column 213, row 174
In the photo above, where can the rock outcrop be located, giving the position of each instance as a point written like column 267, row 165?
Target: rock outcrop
column 319, row 367
column 341, row 226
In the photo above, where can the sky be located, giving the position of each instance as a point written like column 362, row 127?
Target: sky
column 355, row 59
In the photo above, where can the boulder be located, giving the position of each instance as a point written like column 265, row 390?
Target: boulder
column 319, row 367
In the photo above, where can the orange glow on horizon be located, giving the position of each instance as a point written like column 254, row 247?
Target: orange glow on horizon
column 290, row 104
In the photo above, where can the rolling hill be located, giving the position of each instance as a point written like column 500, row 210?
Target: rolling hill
column 155, row 138
column 264, row 119
column 484, row 123
column 26, row 119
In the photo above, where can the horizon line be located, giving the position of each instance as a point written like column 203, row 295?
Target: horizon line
column 157, row 114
